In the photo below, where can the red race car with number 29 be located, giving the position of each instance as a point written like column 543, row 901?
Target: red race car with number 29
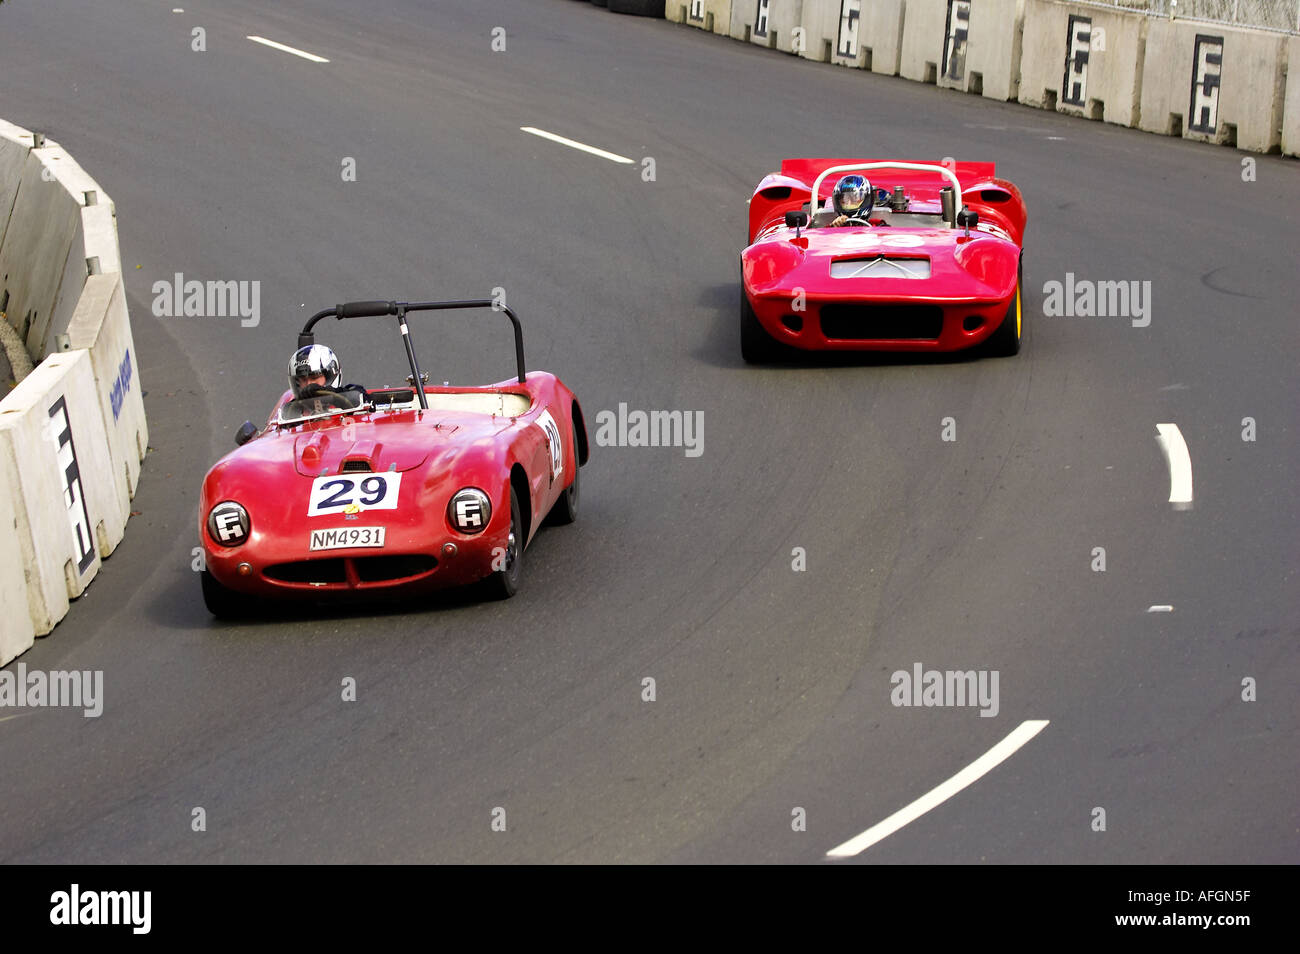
column 881, row 255
column 391, row 490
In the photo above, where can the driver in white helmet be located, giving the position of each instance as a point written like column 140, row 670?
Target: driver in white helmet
column 314, row 371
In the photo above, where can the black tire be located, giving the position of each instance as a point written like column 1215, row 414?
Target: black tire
column 504, row 583
column 638, row 8
column 756, row 345
column 221, row 602
column 1005, row 342
column 565, row 510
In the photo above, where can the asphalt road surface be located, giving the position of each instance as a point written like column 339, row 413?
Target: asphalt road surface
column 773, row 706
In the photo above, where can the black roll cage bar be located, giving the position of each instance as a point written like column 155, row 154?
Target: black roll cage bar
column 384, row 309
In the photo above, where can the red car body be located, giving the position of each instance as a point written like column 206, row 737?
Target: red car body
column 912, row 280
column 392, row 466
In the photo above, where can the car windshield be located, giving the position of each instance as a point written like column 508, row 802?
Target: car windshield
column 321, row 405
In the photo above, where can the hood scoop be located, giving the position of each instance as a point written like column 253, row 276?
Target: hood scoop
column 331, row 452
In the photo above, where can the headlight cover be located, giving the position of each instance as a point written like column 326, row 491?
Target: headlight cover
column 228, row 524
column 469, row 510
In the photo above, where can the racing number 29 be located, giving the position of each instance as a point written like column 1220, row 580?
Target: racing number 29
column 368, row 492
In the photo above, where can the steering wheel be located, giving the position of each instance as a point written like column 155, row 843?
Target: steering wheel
column 327, row 396
column 851, row 221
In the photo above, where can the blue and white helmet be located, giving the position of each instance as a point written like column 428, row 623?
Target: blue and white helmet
column 310, row 361
column 852, row 196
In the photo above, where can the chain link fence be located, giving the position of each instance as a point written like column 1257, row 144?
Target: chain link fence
column 1283, row 15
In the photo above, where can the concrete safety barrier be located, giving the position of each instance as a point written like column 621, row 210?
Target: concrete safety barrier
column 924, row 50
column 53, row 451
column 1083, row 60
column 1214, row 83
column 1291, row 111
column 711, row 15
column 866, row 34
column 989, row 60
column 73, row 431
column 774, row 24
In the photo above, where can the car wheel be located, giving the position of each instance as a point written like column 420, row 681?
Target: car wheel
column 504, row 583
column 566, row 508
column 1005, row 341
column 756, row 345
column 223, row 603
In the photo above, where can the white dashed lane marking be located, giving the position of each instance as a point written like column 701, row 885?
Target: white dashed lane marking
column 288, row 49
column 574, row 144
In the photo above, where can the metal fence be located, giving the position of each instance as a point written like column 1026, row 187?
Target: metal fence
column 1282, row 15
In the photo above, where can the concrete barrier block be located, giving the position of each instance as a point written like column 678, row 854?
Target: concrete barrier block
column 1082, row 60
column 926, row 25
column 102, row 326
column 1291, row 108
column 53, row 449
column 991, row 64
column 16, row 630
column 834, row 32
column 774, row 24
column 15, row 144
column 42, row 227
column 884, row 31
column 1214, row 83
column 711, row 15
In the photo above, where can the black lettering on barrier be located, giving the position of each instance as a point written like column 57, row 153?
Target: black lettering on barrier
column 74, row 499
column 846, row 43
column 956, row 31
column 697, row 11
column 1078, row 42
column 1207, row 67
column 760, row 18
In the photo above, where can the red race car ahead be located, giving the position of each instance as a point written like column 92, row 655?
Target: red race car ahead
column 891, row 256
column 394, row 490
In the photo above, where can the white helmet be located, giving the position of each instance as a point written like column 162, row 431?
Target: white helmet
column 310, row 361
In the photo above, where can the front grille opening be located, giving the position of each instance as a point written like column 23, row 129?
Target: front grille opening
column 793, row 322
column 356, row 467
column 972, row 322
column 376, row 569
column 885, row 321
column 330, row 570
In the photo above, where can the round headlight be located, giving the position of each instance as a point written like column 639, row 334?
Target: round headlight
column 228, row 524
column 469, row 510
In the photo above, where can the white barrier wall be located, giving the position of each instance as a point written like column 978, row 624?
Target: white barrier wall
column 17, row 633
column 53, row 453
column 768, row 23
column 73, row 432
column 992, row 53
column 101, row 326
column 925, row 35
column 1291, row 111
column 1213, row 83
column 1082, row 60
column 711, row 15
column 832, row 32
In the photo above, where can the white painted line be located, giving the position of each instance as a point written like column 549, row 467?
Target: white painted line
column 288, row 49
column 1160, row 608
column 573, row 144
column 971, row 773
column 1174, row 448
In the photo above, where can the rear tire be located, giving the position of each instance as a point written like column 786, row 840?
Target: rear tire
column 756, row 345
column 504, row 583
column 1005, row 342
column 565, row 510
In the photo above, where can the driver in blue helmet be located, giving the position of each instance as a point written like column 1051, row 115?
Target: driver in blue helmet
column 852, row 199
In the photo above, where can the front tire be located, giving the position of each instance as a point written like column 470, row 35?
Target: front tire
column 223, row 603
column 756, row 345
column 1005, row 342
column 504, row 583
